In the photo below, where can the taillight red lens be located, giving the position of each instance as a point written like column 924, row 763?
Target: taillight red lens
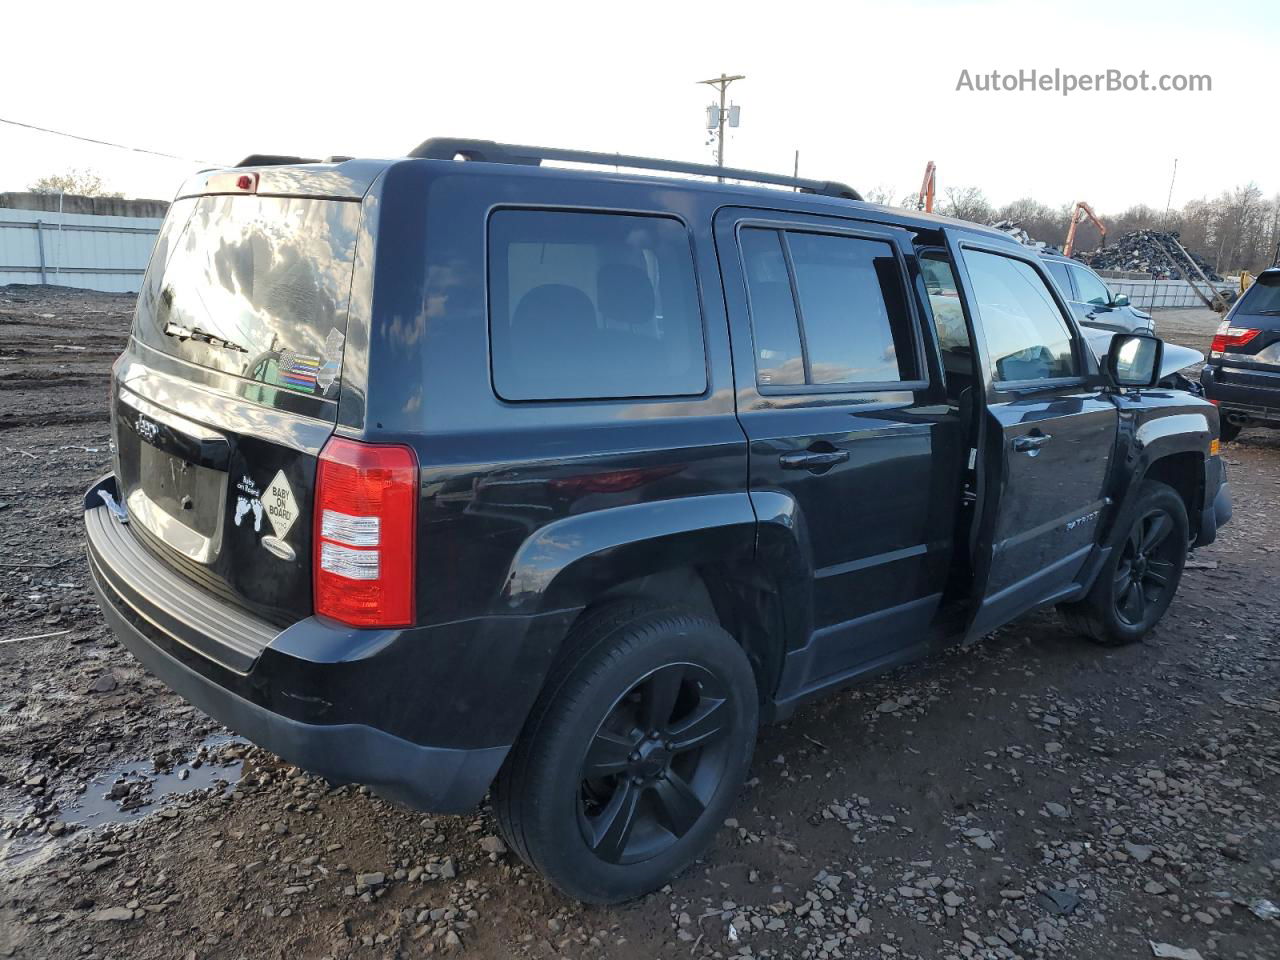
column 1229, row 336
column 365, row 529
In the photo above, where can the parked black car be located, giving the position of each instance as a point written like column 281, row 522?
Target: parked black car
column 445, row 476
column 1092, row 301
column 1242, row 375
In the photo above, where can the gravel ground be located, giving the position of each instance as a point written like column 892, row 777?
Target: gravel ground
column 1031, row 796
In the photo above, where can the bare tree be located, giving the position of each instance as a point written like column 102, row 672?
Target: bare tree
column 966, row 203
column 82, row 183
column 879, row 194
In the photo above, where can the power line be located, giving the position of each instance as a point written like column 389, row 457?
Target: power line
column 106, row 143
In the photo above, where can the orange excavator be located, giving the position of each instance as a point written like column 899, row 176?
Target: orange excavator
column 1078, row 213
column 927, row 188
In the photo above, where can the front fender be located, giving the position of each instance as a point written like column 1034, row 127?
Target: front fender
column 1153, row 427
column 570, row 561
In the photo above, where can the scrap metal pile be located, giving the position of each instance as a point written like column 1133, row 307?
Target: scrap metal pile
column 1014, row 229
column 1148, row 251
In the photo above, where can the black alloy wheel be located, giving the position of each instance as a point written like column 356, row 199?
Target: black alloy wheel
column 1149, row 561
column 654, row 763
column 634, row 753
column 1141, row 574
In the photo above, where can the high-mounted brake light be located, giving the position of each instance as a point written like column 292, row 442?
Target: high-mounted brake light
column 1229, row 336
column 365, row 528
column 231, row 183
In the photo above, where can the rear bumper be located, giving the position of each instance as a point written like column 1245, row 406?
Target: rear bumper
column 1243, row 403
column 424, row 716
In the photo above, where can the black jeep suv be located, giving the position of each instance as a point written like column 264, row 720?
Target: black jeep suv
column 460, row 472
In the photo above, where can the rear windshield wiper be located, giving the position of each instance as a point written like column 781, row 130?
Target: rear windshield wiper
column 179, row 332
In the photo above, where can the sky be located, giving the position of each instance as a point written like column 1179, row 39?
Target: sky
column 866, row 92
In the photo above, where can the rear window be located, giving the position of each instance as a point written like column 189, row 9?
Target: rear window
column 593, row 306
column 254, row 286
column 1262, row 298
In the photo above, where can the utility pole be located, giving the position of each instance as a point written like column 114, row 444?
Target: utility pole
column 721, row 83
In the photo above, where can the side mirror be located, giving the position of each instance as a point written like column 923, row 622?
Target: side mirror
column 1120, row 300
column 1134, row 360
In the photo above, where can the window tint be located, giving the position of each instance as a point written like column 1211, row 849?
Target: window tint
column 776, row 332
column 856, row 324
column 1060, row 276
column 1091, row 289
column 1025, row 333
column 852, row 325
column 587, row 305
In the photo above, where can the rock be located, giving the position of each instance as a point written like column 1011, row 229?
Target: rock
column 889, row 706
column 952, row 899
column 116, row 914
column 449, row 869
column 370, row 879
column 1013, row 894
column 1155, row 887
column 1056, row 810
column 1139, row 852
column 104, row 684
column 1059, row 901
column 93, row 866
column 1169, row 952
column 493, row 845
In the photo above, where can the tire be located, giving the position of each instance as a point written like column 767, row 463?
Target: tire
column 1137, row 583
column 1228, row 431
column 648, row 805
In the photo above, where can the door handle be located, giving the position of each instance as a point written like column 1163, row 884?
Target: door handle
column 812, row 459
column 1031, row 443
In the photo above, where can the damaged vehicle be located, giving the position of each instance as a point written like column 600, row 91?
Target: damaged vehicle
column 1092, row 302
column 462, row 473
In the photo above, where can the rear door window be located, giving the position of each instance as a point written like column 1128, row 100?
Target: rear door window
column 1027, row 337
column 593, row 306
column 1092, row 290
column 827, row 309
column 1062, row 277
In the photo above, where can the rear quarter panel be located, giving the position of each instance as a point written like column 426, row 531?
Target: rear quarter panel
column 510, row 522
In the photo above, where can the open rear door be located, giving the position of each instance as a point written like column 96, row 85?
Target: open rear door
column 1047, row 436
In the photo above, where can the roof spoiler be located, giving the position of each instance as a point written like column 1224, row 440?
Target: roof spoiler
column 273, row 160
column 488, row 151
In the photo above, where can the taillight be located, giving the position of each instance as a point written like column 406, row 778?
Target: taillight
column 1229, row 336
column 365, row 529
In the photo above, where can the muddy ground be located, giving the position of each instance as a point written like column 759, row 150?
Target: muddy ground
column 1032, row 796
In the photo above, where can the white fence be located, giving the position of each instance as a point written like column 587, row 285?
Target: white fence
column 1165, row 293
column 75, row 249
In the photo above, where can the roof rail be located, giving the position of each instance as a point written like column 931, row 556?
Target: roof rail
column 487, row 151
